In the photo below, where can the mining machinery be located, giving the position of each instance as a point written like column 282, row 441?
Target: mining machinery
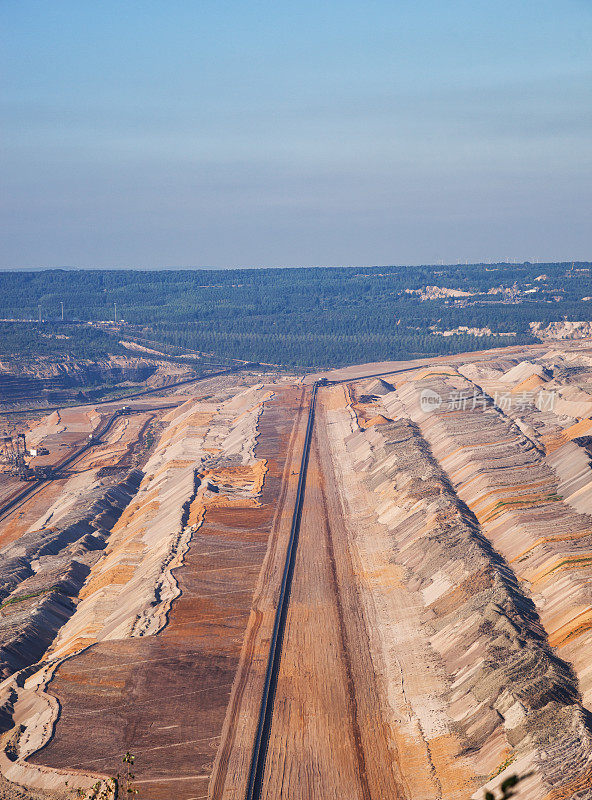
column 13, row 454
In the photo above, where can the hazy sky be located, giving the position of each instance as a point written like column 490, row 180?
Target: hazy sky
column 196, row 133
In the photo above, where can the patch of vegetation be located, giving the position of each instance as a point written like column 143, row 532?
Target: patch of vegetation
column 30, row 596
column 572, row 562
column 121, row 786
column 504, row 765
column 293, row 317
column 80, row 342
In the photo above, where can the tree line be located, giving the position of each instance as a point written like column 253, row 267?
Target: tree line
column 307, row 317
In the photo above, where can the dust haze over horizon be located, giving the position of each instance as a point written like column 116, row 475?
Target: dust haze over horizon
column 224, row 135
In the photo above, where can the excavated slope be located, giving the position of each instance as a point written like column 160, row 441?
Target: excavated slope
column 514, row 493
column 204, row 464
column 42, row 572
column 484, row 690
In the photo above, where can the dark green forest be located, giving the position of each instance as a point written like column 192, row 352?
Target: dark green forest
column 313, row 317
column 54, row 339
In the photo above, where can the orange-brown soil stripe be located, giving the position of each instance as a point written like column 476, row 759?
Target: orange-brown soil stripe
column 164, row 697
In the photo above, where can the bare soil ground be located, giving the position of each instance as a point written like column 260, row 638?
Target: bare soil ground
column 164, row 697
column 328, row 738
column 439, row 627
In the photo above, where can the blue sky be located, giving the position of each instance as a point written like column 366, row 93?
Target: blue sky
column 198, row 133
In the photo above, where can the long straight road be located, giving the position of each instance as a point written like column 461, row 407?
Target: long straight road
column 320, row 731
column 327, row 739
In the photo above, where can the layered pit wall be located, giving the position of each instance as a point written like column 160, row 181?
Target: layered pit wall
column 38, row 381
column 437, row 638
column 473, row 691
column 156, row 630
column 131, row 590
column 42, row 573
column 526, row 510
column 44, row 566
column 50, row 544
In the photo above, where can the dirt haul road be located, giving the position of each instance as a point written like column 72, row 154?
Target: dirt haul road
column 327, row 738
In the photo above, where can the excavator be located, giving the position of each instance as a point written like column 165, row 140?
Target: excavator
column 13, row 456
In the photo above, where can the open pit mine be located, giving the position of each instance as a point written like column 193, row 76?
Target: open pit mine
column 368, row 584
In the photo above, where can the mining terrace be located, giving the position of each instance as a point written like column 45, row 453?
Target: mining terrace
column 369, row 584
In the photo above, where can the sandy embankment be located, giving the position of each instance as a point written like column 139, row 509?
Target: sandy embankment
column 467, row 685
column 531, row 510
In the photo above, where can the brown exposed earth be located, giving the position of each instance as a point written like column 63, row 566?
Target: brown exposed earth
column 190, row 665
column 438, row 635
